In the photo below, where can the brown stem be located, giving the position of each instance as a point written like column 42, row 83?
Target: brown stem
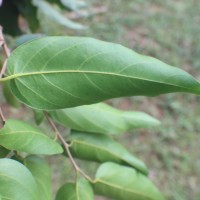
column 3, row 43
column 66, row 147
column 7, row 53
column 3, row 119
column 3, row 69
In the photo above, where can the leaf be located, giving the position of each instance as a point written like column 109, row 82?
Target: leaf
column 16, row 181
column 29, row 12
column 122, row 183
column 39, row 116
column 46, row 9
column 73, row 4
column 26, row 38
column 21, row 136
column 80, row 190
column 9, row 18
column 10, row 98
column 3, row 152
column 102, row 118
column 101, row 148
column 59, row 72
column 69, row 4
column 42, row 174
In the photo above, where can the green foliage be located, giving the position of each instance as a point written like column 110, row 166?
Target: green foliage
column 102, row 118
column 20, row 136
column 16, row 181
column 124, row 183
column 42, row 174
column 51, row 73
column 73, row 191
column 101, row 148
column 10, row 11
column 94, row 71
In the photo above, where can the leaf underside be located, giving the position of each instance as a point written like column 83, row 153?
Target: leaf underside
column 102, row 118
column 20, row 136
column 60, row 72
column 122, row 183
column 42, row 174
column 73, row 191
column 101, row 148
column 16, row 181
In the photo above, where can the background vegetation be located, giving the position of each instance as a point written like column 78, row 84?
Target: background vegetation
column 169, row 31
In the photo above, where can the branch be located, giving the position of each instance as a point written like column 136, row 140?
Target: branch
column 7, row 53
column 66, row 147
column 3, row 43
column 3, row 119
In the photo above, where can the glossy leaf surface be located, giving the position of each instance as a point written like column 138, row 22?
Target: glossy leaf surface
column 122, row 183
column 21, row 136
column 81, row 190
column 102, row 118
column 101, row 148
column 16, row 181
column 42, row 174
column 59, row 72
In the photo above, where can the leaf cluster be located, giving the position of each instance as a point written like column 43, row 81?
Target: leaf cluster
column 12, row 10
column 64, row 79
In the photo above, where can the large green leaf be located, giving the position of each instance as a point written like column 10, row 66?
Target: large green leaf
column 42, row 174
column 102, row 118
column 80, row 190
column 101, row 148
column 16, row 181
column 123, row 183
column 21, row 136
column 59, row 72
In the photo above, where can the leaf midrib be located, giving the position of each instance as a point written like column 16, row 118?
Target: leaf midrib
column 107, row 150
column 15, row 76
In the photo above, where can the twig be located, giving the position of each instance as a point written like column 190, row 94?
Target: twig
column 3, row 69
column 3, row 44
column 3, row 119
column 66, row 147
column 7, row 53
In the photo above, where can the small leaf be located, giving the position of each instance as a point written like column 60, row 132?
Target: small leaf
column 21, row 136
column 101, row 148
column 16, row 181
column 42, row 174
column 80, row 190
column 124, row 183
column 102, row 118
column 59, row 72
column 3, row 152
column 39, row 116
column 10, row 98
column 46, row 9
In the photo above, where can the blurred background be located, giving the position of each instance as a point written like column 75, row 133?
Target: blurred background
column 167, row 30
